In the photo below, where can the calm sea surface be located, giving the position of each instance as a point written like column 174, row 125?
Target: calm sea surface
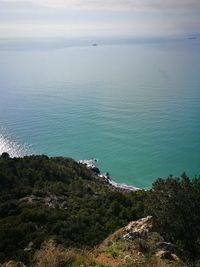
column 136, row 107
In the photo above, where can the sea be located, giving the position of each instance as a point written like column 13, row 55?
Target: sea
column 134, row 106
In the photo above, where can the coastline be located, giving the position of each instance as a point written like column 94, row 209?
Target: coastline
column 92, row 164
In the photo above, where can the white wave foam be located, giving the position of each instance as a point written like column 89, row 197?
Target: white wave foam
column 13, row 148
column 124, row 186
column 93, row 163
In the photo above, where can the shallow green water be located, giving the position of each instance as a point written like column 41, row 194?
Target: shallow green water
column 136, row 108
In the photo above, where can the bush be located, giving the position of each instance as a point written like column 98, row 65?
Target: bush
column 174, row 204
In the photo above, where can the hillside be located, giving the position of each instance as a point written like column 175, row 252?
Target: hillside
column 58, row 199
column 135, row 245
column 43, row 198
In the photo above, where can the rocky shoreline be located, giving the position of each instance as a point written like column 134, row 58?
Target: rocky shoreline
column 105, row 177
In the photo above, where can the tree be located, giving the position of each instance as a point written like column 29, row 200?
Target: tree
column 174, row 203
column 5, row 155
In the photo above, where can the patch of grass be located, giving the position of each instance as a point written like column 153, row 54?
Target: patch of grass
column 92, row 262
column 121, row 247
column 112, row 251
column 103, row 265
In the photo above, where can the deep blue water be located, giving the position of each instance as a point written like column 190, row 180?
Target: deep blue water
column 134, row 107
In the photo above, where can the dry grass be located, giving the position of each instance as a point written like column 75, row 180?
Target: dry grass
column 12, row 264
column 119, row 254
column 51, row 255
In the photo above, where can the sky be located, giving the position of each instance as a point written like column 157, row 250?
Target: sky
column 100, row 18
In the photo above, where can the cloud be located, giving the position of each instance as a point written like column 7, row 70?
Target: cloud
column 105, row 4
column 69, row 30
column 103, row 17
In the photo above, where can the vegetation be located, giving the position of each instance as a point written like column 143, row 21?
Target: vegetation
column 44, row 198
column 175, row 205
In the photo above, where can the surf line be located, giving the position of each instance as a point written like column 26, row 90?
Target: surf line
column 92, row 164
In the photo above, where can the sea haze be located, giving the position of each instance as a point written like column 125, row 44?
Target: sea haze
column 135, row 107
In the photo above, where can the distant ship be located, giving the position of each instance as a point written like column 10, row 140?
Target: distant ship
column 94, row 44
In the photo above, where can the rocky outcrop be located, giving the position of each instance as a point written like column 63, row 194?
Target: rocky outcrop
column 49, row 200
column 139, row 240
column 140, row 228
column 151, row 241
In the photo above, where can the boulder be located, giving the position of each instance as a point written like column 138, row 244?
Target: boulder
column 166, row 246
column 139, row 228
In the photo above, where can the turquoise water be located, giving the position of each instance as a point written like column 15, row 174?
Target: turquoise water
column 135, row 107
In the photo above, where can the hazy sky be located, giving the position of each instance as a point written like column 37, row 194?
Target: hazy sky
column 85, row 18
